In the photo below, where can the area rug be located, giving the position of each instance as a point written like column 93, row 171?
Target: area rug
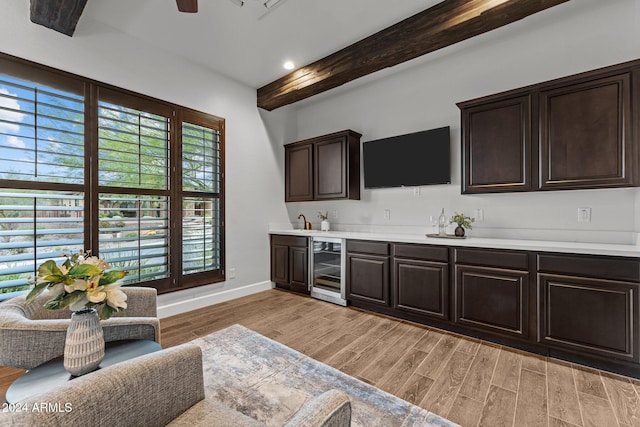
column 269, row 381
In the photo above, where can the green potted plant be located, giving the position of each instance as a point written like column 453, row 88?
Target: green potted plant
column 463, row 222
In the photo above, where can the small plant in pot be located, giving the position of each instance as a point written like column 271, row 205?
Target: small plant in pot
column 463, row 222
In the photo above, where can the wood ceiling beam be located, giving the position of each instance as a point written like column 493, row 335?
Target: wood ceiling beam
column 442, row 25
column 59, row 15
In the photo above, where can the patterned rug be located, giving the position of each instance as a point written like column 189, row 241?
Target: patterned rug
column 270, row 382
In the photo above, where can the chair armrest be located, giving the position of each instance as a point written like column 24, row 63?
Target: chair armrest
column 331, row 409
column 28, row 343
column 141, row 302
column 149, row 390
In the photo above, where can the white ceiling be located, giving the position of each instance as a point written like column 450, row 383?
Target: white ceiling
column 244, row 43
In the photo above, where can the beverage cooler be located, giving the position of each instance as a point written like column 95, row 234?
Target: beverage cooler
column 327, row 269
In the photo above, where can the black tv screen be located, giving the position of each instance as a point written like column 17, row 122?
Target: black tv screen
column 420, row 158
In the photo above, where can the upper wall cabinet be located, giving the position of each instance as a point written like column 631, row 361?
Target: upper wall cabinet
column 323, row 168
column 586, row 134
column 576, row 132
column 497, row 145
column 298, row 176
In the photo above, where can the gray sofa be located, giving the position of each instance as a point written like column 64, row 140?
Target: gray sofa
column 162, row 388
column 31, row 335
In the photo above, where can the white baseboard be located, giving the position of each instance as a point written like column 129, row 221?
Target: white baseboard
column 183, row 306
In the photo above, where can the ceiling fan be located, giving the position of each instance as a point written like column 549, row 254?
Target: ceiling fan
column 191, row 6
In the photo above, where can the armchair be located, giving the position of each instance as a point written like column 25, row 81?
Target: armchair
column 158, row 389
column 31, row 335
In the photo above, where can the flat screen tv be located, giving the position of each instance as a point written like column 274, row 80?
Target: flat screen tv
column 421, row 158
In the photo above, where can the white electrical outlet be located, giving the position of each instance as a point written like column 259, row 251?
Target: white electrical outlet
column 584, row 214
column 232, row 273
column 478, row 214
column 416, row 191
column 387, row 214
column 334, row 215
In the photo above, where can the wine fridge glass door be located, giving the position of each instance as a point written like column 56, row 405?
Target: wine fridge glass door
column 327, row 269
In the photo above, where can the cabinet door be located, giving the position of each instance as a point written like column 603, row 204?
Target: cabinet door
column 497, row 146
column 585, row 135
column 299, row 273
column 422, row 287
column 493, row 299
column 589, row 316
column 298, row 173
column 368, row 278
column 330, row 169
column 280, row 264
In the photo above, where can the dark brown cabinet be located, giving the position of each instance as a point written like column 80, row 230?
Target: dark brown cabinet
column 368, row 272
column 583, row 308
column 571, row 133
column 323, row 168
column 589, row 305
column 421, row 280
column 497, row 153
column 586, row 134
column 492, row 291
column 298, row 175
column 290, row 263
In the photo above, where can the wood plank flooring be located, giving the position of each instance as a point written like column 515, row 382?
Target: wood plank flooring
column 468, row 381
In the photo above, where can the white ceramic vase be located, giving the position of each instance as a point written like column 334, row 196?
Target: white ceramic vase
column 324, row 225
column 84, row 345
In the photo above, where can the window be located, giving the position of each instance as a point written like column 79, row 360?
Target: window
column 201, row 206
column 133, row 187
column 138, row 181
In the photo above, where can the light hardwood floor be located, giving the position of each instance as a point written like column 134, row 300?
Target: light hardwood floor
column 468, row 381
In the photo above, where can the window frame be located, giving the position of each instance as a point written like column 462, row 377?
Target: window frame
column 94, row 92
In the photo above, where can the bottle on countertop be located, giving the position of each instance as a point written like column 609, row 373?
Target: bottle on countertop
column 442, row 224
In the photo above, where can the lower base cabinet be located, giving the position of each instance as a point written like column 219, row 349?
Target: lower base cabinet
column 290, row 263
column 589, row 306
column 492, row 291
column 583, row 308
column 493, row 299
column 421, row 280
column 589, row 316
column 368, row 272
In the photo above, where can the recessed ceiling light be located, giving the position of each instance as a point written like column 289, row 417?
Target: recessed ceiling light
column 288, row 65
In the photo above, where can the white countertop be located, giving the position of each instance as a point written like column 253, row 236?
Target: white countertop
column 478, row 242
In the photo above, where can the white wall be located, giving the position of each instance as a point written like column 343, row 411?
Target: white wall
column 253, row 159
column 573, row 37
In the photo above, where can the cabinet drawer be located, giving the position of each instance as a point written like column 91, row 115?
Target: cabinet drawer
column 591, row 266
column 493, row 258
column 367, row 247
column 431, row 253
column 278, row 239
column 589, row 316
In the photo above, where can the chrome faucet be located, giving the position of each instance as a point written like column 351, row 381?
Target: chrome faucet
column 307, row 224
